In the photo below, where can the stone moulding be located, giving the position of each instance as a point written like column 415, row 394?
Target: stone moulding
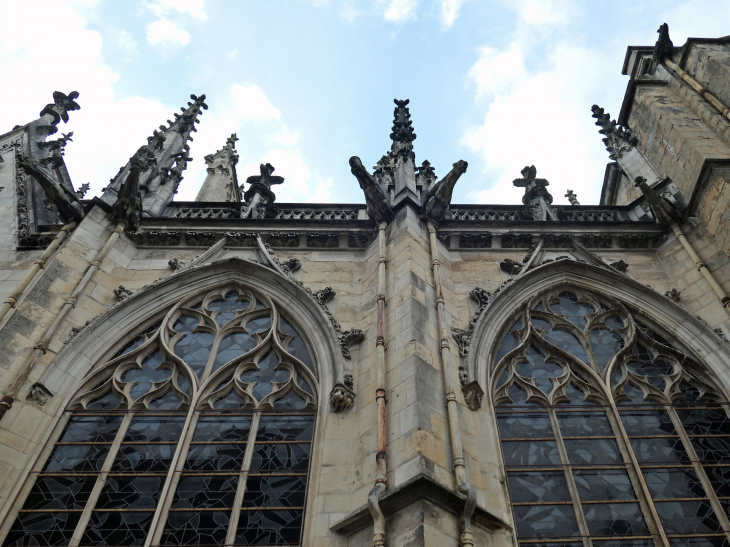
column 323, row 239
column 475, row 241
column 516, row 241
column 360, row 240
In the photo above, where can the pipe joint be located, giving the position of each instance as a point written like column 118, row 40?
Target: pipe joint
column 726, row 301
column 43, row 346
column 11, row 300
column 380, row 297
column 440, row 300
column 445, row 344
column 451, row 397
column 436, row 262
column 382, row 260
column 701, row 265
column 41, row 262
column 71, row 300
column 459, row 461
column 6, row 402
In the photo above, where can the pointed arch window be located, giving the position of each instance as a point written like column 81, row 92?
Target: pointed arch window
column 197, row 432
column 610, row 433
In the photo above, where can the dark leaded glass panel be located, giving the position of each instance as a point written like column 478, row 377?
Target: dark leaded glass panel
column 710, row 541
column 640, row 423
column 130, row 492
column 538, row 486
column 605, row 344
column 574, row 311
column 667, row 450
column 267, row 372
column 545, row 521
column 635, row 395
column 518, row 397
column 117, row 528
column 53, row 493
column 47, row 529
column 291, row 401
column 139, row 339
column 628, row 542
column 525, row 453
column 691, row 393
column 705, row 421
column 524, row 425
column 720, row 478
column 194, row 349
column 144, row 458
column 91, row 429
column 687, row 517
column 232, row 346
column 205, row 491
column 584, row 424
column 215, row 457
column 567, row 342
column 539, row 369
column 673, row 482
column 285, row 428
column 509, row 342
column 196, row 528
column 213, row 428
column 144, row 377
column 653, row 369
column 275, row 491
column 296, row 347
column 76, row 458
column 266, row 527
column 228, row 307
column 712, row 449
column 273, row 458
column 540, row 323
column 603, row 484
column 653, row 334
column 614, row 322
column 593, row 451
column 551, row 544
column 615, row 519
column 153, row 429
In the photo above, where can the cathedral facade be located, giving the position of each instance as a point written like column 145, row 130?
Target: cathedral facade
column 405, row 371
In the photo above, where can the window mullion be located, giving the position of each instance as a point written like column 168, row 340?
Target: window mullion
column 241, row 489
column 709, row 490
column 173, row 478
column 637, row 478
column 100, row 480
column 212, row 356
column 570, row 480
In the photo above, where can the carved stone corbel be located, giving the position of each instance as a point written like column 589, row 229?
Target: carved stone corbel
column 38, row 394
column 473, row 395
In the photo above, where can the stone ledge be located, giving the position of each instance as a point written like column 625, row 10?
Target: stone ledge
column 419, row 488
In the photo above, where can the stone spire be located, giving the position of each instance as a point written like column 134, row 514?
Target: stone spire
column 537, row 200
column 621, row 143
column 259, row 198
column 221, row 183
column 166, row 156
column 402, row 157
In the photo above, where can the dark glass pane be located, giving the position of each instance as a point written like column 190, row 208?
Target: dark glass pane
column 143, row 458
column 540, row 323
column 538, row 486
column 572, row 309
column 290, row 401
column 712, row 541
column 269, row 527
column 259, row 324
column 592, row 451
column 222, row 428
column 59, row 493
column 603, row 484
column 519, row 397
column 551, row 544
column 272, row 458
column 614, row 322
column 196, row 528
column 231, row 401
column 667, row 450
column 145, row 376
column 169, row 401
column 205, row 491
column 522, row 453
column 503, row 377
column 545, row 521
column 673, row 482
column 509, row 342
column 584, row 424
column 641, row 423
column 186, row 324
column 117, row 528
column 605, row 344
column 652, row 369
column 687, row 517
column 215, row 457
column 615, row 519
column 538, row 369
column 567, row 342
column 130, row 493
column 154, row 429
column 576, row 396
column 91, row 429
column 46, row 529
column 227, row 308
column 635, row 394
column 524, row 425
column 720, row 479
column 76, row 458
column 712, row 449
column 705, row 421
column 139, row 339
column 108, row 401
column 275, row 491
column 653, row 334
column 232, row 346
column 267, row 372
column 296, row 347
column 285, row 428
column 194, row 349
column 691, row 393
column 628, row 542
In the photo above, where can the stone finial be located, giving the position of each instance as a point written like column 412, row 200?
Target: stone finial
column 81, row 192
column 221, row 182
column 618, row 140
column 536, row 199
column 402, row 125
column 62, row 105
column 572, row 198
column 663, row 47
column 259, row 197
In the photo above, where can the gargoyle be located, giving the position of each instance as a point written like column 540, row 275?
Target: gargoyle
column 128, row 206
column 63, row 200
column 436, row 202
column 378, row 207
column 663, row 47
column 664, row 212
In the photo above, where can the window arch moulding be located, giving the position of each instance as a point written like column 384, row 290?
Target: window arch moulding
column 697, row 337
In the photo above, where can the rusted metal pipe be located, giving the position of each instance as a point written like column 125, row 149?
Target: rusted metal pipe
column 466, row 539
column 41, row 347
column 37, row 266
column 699, row 88
column 381, row 466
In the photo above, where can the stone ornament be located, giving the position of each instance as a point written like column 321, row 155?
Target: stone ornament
column 122, row 293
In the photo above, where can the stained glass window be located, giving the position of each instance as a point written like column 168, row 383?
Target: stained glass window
column 147, row 442
column 610, row 434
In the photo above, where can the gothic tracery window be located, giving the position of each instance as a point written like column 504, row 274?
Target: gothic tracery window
column 197, row 432
column 611, row 435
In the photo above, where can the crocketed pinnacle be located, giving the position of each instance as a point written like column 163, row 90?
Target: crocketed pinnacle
column 402, row 125
column 618, row 138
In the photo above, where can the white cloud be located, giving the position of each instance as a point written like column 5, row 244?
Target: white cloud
column 398, row 11
column 496, row 72
column 125, row 42
column 232, row 53
column 450, row 12
column 164, row 31
column 251, row 104
column 286, row 136
column 162, row 8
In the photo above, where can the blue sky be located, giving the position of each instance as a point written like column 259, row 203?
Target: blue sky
column 308, row 83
